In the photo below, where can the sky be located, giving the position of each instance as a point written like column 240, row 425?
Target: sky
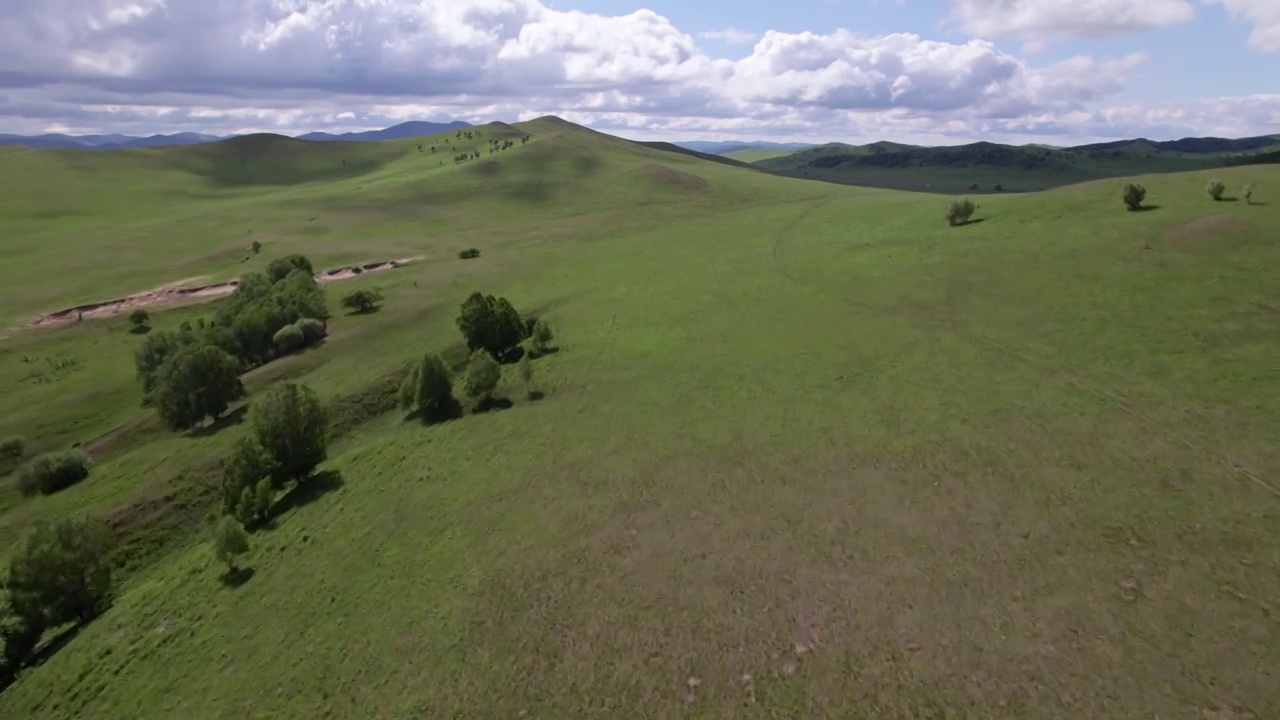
column 924, row 71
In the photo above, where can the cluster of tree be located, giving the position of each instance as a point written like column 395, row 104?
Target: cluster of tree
column 959, row 211
column 51, row 472
column 468, row 134
column 976, row 154
column 289, row 438
column 496, row 146
column 194, row 373
column 470, row 155
column 60, row 573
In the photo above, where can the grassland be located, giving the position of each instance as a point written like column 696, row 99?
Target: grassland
column 805, row 450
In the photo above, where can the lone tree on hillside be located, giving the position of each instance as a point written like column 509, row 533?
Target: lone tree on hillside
column 199, row 381
column 140, row 319
column 362, row 301
column 61, row 572
column 1216, row 188
column 490, row 323
column 245, row 472
column 542, row 337
column 48, row 473
column 429, row 389
column 229, row 542
column 483, row 374
column 1134, row 194
column 1248, row 194
column 256, row 247
column 290, row 425
column 959, row 211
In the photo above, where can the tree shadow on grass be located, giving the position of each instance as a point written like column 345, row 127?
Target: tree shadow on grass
column 512, row 356
column 1228, row 199
column 53, row 645
column 1255, row 203
column 452, row 410
column 233, row 579
column 492, row 404
column 535, row 395
column 1145, row 208
column 140, row 329
column 543, row 353
column 231, row 419
column 369, row 311
column 972, row 221
column 304, row 493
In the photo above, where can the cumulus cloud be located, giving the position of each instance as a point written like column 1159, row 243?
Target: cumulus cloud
column 1265, row 16
column 1069, row 18
column 732, row 36
column 298, row 65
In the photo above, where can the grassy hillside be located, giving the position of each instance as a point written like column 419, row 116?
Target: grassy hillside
column 805, row 450
column 991, row 167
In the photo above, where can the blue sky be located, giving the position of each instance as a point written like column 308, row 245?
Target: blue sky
column 930, row 71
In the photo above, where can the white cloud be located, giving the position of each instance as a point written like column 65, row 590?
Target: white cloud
column 731, row 36
column 299, row 65
column 1265, row 16
column 1069, row 18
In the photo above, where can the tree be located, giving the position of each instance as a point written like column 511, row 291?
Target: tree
column 490, row 323
column 256, row 247
column 20, row 631
column 1134, row 194
column 1248, row 194
column 362, row 301
column 313, row 330
column 483, row 374
column 199, row 381
column 959, row 211
column 1216, row 188
column 140, row 319
column 243, row 470
column 429, row 387
column 155, row 350
column 526, row 376
column 13, row 447
column 290, row 425
column 542, row 337
column 280, row 268
column 61, row 572
column 229, row 541
column 51, row 472
column 288, row 339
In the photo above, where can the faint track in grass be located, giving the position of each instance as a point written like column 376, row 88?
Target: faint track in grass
column 1195, row 441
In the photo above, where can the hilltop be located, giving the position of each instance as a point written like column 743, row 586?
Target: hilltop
column 796, row 448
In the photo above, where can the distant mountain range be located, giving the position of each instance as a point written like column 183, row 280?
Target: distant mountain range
column 729, row 146
column 121, row 142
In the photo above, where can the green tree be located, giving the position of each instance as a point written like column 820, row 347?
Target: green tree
column 256, row 247
column 20, row 631
column 1216, row 188
column 959, row 211
column 362, row 301
column 51, row 472
column 229, row 541
column 1248, row 194
column 1134, row 194
column 542, row 337
column 429, row 387
column 61, row 571
column 247, row 465
column 290, row 424
column 526, row 376
column 155, row 350
column 280, row 268
column 140, row 319
column 199, row 381
column 264, row 495
column 490, row 323
column 483, row 374
column 289, row 339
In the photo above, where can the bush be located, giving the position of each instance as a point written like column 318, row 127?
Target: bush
column 14, row 447
column 140, row 318
column 199, row 381
column 526, row 376
column 1248, row 194
column 282, row 268
column 290, row 425
column 1216, row 188
column 256, row 247
column 1134, row 194
column 490, row 323
column 959, row 211
column 289, row 339
column 20, row 631
column 60, row 573
column 362, row 301
column 483, row 374
column 469, row 253
column 542, row 337
column 229, row 541
column 51, row 472
column 428, row 388
column 243, row 470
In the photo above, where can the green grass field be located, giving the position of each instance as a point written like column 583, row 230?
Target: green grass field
column 805, row 451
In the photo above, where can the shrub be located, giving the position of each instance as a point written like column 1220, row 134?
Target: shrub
column 469, row 253
column 1216, row 188
column 243, row 470
column 959, row 211
column 20, row 631
column 51, row 472
column 290, row 425
column 313, row 330
column 483, row 374
column 199, row 381
column 542, row 337
column 362, row 301
column 289, row 339
column 61, row 572
column 14, row 447
column 1134, row 194
column 526, row 375
column 490, row 323
column 229, row 541
column 281, row 268
column 140, row 318
column 428, row 388
column 256, row 247
column 1248, row 194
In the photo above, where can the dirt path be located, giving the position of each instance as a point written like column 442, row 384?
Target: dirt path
column 179, row 292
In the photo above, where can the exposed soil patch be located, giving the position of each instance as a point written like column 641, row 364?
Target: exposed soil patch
column 1201, row 234
column 175, row 293
column 678, row 179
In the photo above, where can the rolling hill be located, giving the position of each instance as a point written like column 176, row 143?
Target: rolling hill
column 801, row 449
column 992, row 167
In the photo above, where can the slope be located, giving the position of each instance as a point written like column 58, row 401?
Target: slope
column 804, row 450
